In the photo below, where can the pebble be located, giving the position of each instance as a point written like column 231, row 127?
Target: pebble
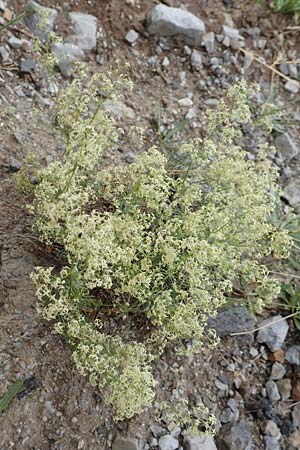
column 196, row 60
column 209, row 42
column 15, row 42
column 292, row 86
column 272, row 391
column 132, row 36
column 168, row 442
column 231, row 33
column 271, row 443
column 85, row 30
column 273, row 335
column 167, row 21
column 227, row 416
column 36, row 22
column 130, row 157
column 284, row 388
column 293, row 355
column 286, row 146
column 296, row 416
column 185, row 102
column 27, row 65
column 272, row 429
column 200, row 443
column 4, row 53
column 278, row 371
column 291, row 193
column 294, row 440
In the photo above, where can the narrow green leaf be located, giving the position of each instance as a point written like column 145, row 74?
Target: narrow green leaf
column 10, row 394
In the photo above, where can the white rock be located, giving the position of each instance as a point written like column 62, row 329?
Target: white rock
column 85, row 30
column 286, row 146
column 168, row 21
column 131, row 36
column 292, row 193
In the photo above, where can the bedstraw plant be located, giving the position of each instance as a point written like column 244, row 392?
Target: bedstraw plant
column 149, row 250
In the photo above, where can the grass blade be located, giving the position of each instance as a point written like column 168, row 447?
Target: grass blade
column 10, row 394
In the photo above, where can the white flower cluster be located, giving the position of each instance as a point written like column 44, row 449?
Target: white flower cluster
column 149, row 240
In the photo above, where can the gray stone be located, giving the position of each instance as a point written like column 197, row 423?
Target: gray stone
column 292, row 86
column 272, row 429
column 85, row 30
column 231, row 33
column 41, row 22
column 209, row 42
column 293, row 71
column 196, row 60
column 130, row 157
column 296, row 416
column 227, row 416
column 271, row 443
column 157, row 430
column 168, row 21
column 122, row 443
column 237, row 437
column 274, row 332
column 286, row 146
column 66, row 55
column 15, row 165
column 278, row 371
column 291, row 193
column 232, row 320
column 168, row 442
column 284, row 388
column 272, row 391
column 284, row 68
column 293, row 355
column 132, row 36
column 200, row 443
column 15, row 42
column 27, row 65
column 4, row 54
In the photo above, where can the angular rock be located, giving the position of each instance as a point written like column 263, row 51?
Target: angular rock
column 4, row 54
column 272, row 391
column 209, row 42
column 278, row 371
column 41, row 21
column 196, row 60
column 122, row 443
column 284, row 388
column 274, row 334
column 271, row 443
column 296, row 416
column 168, row 442
column 291, row 193
column 286, row 146
column 232, row 320
column 15, row 42
column 238, row 437
column 85, row 30
column 66, row 55
column 167, row 21
column 292, row 86
column 200, row 443
column 293, row 355
column 231, row 33
column 27, row 65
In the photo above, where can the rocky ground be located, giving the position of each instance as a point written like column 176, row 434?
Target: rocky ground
column 252, row 382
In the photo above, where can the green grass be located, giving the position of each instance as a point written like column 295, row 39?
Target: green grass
column 286, row 6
